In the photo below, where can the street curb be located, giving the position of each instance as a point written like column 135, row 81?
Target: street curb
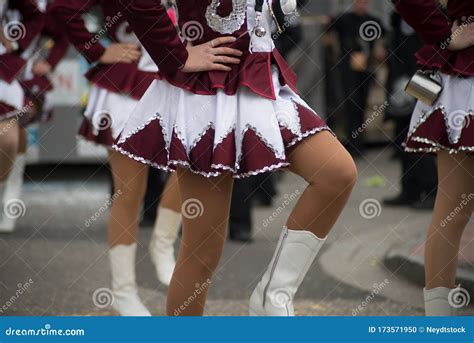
column 411, row 267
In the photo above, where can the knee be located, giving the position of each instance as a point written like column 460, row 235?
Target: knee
column 347, row 176
column 342, row 178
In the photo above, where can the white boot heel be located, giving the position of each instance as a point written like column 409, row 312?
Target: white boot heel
column 295, row 252
column 437, row 301
column 122, row 262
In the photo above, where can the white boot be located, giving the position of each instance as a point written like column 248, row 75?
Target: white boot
column 437, row 302
column 122, row 263
column 162, row 241
column 11, row 195
column 295, row 252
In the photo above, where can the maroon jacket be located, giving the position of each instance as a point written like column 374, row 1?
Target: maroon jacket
column 165, row 48
column 33, row 20
column 434, row 28
column 169, row 53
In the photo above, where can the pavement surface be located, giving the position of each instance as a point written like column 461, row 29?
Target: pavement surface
column 58, row 262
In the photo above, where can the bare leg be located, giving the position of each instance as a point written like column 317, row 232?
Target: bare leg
column 206, row 205
column 453, row 209
column 331, row 174
column 129, row 188
column 171, row 197
column 9, row 142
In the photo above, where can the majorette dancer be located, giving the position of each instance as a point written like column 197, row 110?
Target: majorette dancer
column 213, row 126
column 21, row 22
column 120, row 75
column 37, row 86
column 445, row 128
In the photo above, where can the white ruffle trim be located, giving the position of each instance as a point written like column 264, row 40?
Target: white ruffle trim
column 220, row 167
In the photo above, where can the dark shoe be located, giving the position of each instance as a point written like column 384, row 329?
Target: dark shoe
column 240, row 233
column 244, row 237
column 147, row 222
column 262, row 199
column 424, row 203
column 399, row 200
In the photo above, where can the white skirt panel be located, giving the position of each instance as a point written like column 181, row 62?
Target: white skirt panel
column 108, row 110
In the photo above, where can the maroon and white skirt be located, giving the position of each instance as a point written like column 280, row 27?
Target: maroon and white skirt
column 12, row 99
column 448, row 124
column 105, row 116
column 244, row 134
column 112, row 98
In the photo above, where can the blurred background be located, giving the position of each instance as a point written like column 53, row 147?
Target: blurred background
column 372, row 264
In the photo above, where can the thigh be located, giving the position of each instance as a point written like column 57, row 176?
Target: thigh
column 9, row 141
column 321, row 159
column 456, row 180
column 205, row 206
column 129, row 175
